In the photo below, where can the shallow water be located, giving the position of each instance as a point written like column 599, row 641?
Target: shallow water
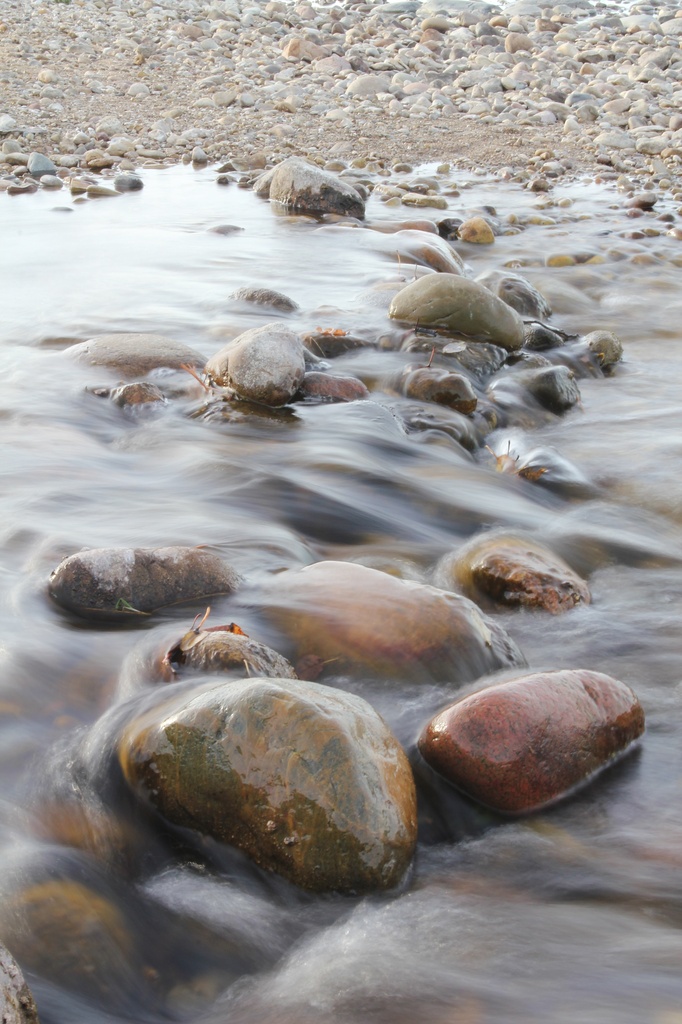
column 572, row 914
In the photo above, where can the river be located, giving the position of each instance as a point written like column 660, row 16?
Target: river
column 571, row 914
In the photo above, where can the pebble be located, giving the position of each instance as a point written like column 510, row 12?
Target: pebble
column 598, row 88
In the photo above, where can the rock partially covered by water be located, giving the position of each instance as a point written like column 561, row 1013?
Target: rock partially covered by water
column 430, row 384
column 299, row 186
column 361, row 619
column 307, row 780
column 523, row 744
column 265, row 297
column 227, row 648
column 16, row 1002
column 74, row 937
column 327, row 387
column 607, row 347
column 136, row 354
column 264, row 365
column 117, row 583
column 514, row 570
column 518, row 293
column 460, row 305
column 554, row 387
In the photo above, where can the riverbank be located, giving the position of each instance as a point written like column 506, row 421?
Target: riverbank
column 572, row 89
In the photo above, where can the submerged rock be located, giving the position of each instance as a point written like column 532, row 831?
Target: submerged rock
column 265, row 297
column 514, row 570
column 135, row 354
column 518, row 293
column 523, row 744
column 477, row 231
column 431, row 384
column 326, row 387
column 73, row 936
column 361, row 619
column 264, row 365
column 304, row 188
column 461, row 306
column 305, row 779
column 119, row 583
column 17, row 1005
column 554, row 387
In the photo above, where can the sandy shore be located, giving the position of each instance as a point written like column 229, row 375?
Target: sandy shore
column 127, row 84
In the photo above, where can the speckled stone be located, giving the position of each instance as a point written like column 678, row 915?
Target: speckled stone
column 306, row 779
column 116, row 583
column 520, row 745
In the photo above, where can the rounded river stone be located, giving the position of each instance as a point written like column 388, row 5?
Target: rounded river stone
column 461, row 306
column 264, row 365
column 360, row 619
column 431, row 384
column 120, row 582
column 520, row 745
column 516, row 570
column 301, row 187
column 307, row 780
column 135, row 354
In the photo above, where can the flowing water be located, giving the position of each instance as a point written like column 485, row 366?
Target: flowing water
column 572, row 914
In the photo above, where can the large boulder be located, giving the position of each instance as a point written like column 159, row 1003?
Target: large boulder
column 304, row 188
column 513, row 569
column 264, row 365
column 307, row 780
column 461, row 306
column 520, row 745
column 135, row 354
column 359, row 619
column 16, row 1002
column 117, row 583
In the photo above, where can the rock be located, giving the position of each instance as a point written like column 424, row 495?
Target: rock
column 412, row 247
column 120, row 583
column 516, row 570
column 368, row 85
column 226, row 648
column 74, row 937
column 516, row 41
column 305, row 779
column 303, row 49
column 477, row 231
column 299, row 186
column 17, row 1005
column 538, row 338
column 38, row 165
column 523, row 744
column 265, row 297
column 137, row 396
column 264, row 365
column 517, row 293
column 51, row 181
column 360, row 619
column 317, row 386
column 554, row 387
column 606, row 346
column 329, row 344
column 430, row 384
column 135, row 354
column 128, row 183
column 461, row 306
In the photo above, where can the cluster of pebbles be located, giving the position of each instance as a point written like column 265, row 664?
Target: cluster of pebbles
column 99, row 85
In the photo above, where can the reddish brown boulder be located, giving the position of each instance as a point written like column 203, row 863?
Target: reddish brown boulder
column 325, row 387
column 523, row 744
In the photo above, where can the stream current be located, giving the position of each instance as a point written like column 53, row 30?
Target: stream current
column 572, row 914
